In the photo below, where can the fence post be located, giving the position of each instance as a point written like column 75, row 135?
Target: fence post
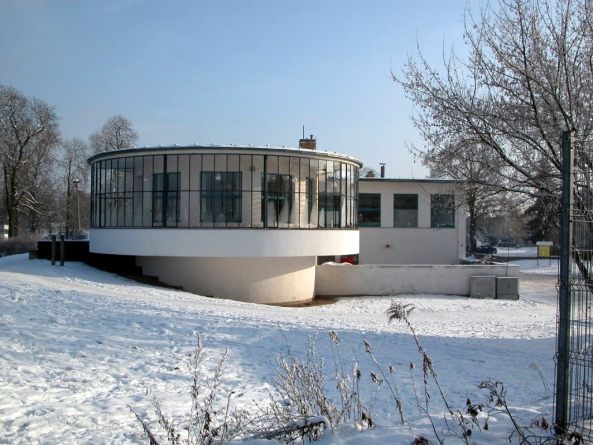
column 62, row 250
column 53, row 250
column 563, row 347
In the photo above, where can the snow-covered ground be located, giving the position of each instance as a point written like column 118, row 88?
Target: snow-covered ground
column 525, row 252
column 78, row 345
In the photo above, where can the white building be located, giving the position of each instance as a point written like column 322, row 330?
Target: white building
column 245, row 223
column 411, row 221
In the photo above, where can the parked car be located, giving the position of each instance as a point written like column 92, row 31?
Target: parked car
column 485, row 249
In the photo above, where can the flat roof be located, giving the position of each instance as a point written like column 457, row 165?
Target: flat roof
column 224, row 148
column 423, row 180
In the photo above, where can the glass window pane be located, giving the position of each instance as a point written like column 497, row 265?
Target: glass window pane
column 232, row 163
column 183, row 220
column 138, row 173
column 183, row 169
column 322, row 194
column 283, row 165
column 442, row 211
column 277, row 200
column 171, row 194
column 194, row 208
column 221, row 197
column 158, row 186
column 128, row 210
column 257, row 171
column 272, row 164
column 147, row 195
column 195, row 169
column 220, row 163
column 172, row 163
column 120, row 171
column 207, row 163
column 129, row 173
column 313, row 192
column 245, row 167
column 369, row 210
column 405, row 210
column 147, row 209
column 159, row 164
column 137, row 209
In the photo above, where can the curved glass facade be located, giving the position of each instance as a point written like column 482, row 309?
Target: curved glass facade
column 223, row 190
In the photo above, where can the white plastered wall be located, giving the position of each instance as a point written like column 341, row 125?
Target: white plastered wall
column 375, row 279
column 420, row 245
column 224, row 242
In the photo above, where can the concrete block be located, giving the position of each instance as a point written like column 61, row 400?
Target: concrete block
column 507, row 288
column 482, row 286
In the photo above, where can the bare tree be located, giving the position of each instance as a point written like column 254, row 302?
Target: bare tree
column 116, row 134
column 527, row 78
column 478, row 168
column 75, row 171
column 28, row 134
column 367, row 172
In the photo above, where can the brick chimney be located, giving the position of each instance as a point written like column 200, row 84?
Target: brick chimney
column 308, row 144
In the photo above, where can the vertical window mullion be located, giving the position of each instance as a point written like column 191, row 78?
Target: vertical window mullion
column 142, row 195
column 125, row 190
column 226, row 195
column 164, row 193
column 188, row 191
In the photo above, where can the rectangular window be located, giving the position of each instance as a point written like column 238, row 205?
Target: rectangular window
column 277, row 194
column 220, row 197
column 442, row 211
column 369, row 210
column 405, row 210
column 165, row 199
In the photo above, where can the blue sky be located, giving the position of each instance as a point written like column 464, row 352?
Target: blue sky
column 230, row 71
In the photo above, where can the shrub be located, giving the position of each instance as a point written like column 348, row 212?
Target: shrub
column 13, row 246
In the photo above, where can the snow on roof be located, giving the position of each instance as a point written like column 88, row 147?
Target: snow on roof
column 234, row 147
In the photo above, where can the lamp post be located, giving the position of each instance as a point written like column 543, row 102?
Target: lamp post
column 67, row 228
column 76, row 182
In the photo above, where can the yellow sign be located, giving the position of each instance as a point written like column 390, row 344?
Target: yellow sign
column 543, row 251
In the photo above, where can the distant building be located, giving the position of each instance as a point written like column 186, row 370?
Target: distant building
column 411, row 221
column 239, row 222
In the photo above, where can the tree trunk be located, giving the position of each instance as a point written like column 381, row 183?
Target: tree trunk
column 13, row 222
column 10, row 203
column 471, row 208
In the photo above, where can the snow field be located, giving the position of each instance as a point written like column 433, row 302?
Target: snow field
column 79, row 345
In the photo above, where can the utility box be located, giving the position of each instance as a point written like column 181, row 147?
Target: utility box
column 482, row 287
column 507, row 288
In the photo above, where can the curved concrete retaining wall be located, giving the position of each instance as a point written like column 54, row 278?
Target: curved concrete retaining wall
column 346, row 279
column 255, row 280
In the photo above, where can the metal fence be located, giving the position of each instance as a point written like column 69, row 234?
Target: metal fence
column 574, row 358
